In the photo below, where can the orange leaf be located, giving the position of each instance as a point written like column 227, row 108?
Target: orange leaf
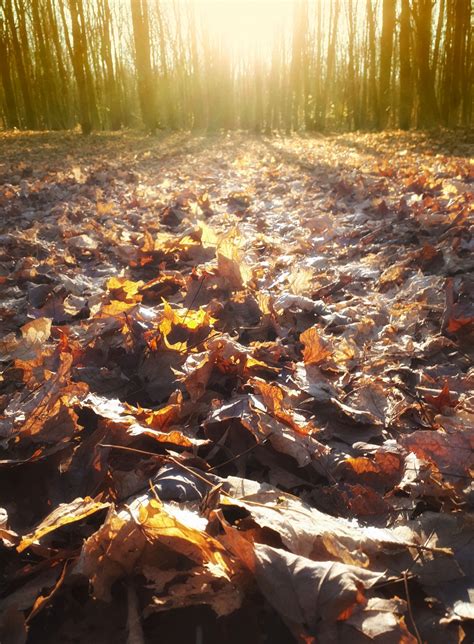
column 315, row 350
column 442, row 400
column 64, row 514
column 456, row 324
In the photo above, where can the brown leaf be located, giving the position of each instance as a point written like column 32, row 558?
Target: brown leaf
column 302, row 591
column 315, row 350
column 307, row 532
column 64, row 514
column 450, row 451
column 144, row 534
column 231, row 264
column 442, row 400
column 46, row 415
column 382, row 618
column 201, row 585
column 111, row 553
column 37, row 331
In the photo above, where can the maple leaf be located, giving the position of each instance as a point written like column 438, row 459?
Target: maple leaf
column 302, row 591
column 442, row 400
column 315, row 349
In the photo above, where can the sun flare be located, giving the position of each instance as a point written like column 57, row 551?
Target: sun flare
column 244, row 28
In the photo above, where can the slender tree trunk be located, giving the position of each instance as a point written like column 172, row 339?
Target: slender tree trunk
column 11, row 113
column 87, row 58
column 330, row 61
column 110, row 80
column 428, row 112
column 78, row 55
column 439, row 29
column 373, row 96
column 317, row 67
column 19, row 52
column 467, row 80
column 351, row 92
column 386, row 51
column 406, row 80
column 146, row 89
column 48, row 76
column 461, row 20
column 64, row 88
column 167, row 101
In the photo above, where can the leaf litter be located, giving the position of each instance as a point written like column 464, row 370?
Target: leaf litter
column 237, row 391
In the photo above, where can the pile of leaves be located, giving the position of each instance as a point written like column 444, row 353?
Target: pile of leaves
column 237, row 391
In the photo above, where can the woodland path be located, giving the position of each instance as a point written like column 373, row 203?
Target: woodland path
column 296, row 312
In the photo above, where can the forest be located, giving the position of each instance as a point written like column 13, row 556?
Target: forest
column 328, row 64
column 236, row 322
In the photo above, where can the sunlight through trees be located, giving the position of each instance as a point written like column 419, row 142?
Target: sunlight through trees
column 211, row 64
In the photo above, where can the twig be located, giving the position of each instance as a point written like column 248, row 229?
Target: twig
column 134, row 624
column 410, row 612
column 130, row 449
column 159, row 456
column 246, row 451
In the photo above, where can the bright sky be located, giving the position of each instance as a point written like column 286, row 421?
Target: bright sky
column 244, row 25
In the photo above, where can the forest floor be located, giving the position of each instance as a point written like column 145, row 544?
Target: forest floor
column 237, row 388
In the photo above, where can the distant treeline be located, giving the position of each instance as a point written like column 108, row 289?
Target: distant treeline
column 107, row 64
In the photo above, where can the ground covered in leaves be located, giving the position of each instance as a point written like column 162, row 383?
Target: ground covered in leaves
column 237, row 392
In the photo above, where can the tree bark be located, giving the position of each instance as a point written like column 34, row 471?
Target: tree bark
column 146, row 89
column 372, row 93
column 11, row 113
column 428, row 111
column 330, row 61
column 406, row 80
column 78, row 62
column 386, row 50
column 19, row 53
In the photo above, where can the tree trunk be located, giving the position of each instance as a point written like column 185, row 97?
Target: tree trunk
column 47, row 75
column 19, row 52
column 78, row 61
column 439, row 30
column 373, row 97
column 386, row 50
column 455, row 72
column 11, row 113
column 467, row 79
column 64, row 90
column 111, row 82
column 146, row 89
column 406, row 80
column 428, row 112
column 330, row 62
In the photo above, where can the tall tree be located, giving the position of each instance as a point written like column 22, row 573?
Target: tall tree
column 428, row 111
column 330, row 62
column 146, row 88
column 79, row 62
column 373, row 100
column 112, row 89
column 11, row 112
column 352, row 98
column 406, row 81
column 339, row 63
column 458, row 16
column 386, row 51
column 21, row 53
column 61, row 65
column 45, row 63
